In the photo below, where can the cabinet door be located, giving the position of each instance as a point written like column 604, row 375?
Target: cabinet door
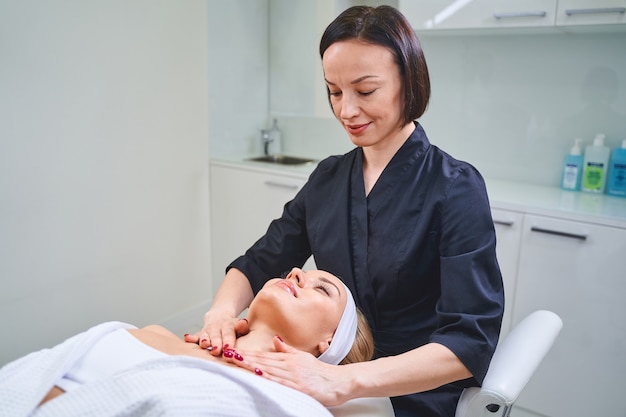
column 468, row 14
column 508, row 234
column 576, row 270
column 243, row 203
column 591, row 12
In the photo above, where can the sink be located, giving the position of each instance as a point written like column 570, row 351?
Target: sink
column 282, row 160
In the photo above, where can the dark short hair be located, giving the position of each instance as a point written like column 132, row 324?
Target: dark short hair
column 386, row 26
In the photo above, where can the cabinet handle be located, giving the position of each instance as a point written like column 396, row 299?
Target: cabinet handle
column 559, row 233
column 281, row 185
column 508, row 223
column 507, row 15
column 572, row 12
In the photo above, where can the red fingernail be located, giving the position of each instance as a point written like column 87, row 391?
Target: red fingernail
column 258, row 371
column 203, row 340
column 225, row 346
column 245, row 319
column 213, row 347
column 280, row 338
column 238, row 357
column 228, row 354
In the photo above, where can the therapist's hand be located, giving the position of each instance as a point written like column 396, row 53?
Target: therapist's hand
column 302, row 371
column 219, row 329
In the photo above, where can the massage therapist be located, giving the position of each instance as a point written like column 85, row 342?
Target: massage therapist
column 406, row 226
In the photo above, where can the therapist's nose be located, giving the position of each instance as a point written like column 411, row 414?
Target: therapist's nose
column 349, row 107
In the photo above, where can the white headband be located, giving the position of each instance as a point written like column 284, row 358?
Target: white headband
column 344, row 335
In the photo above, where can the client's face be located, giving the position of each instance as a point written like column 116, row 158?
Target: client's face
column 304, row 308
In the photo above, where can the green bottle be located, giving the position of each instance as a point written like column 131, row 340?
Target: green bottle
column 595, row 165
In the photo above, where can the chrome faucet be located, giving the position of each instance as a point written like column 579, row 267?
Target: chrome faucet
column 266, row 139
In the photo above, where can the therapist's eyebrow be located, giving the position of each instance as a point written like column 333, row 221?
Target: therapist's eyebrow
column 326, row 280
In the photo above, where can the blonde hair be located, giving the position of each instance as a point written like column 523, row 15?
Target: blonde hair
column 363, row 346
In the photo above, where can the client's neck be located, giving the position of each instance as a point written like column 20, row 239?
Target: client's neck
column 256, row 339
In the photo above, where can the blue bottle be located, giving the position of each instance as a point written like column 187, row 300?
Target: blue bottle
column 573, row 168
column 617, row 172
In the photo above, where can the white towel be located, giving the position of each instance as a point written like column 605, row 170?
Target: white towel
column 171, row 386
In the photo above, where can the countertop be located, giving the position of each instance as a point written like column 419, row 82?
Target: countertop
column 508, row 195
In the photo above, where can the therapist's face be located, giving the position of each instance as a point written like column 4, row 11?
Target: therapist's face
column 305, row 307
column 365, row 90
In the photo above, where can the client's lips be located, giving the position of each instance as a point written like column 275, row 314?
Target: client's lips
column 288, row 286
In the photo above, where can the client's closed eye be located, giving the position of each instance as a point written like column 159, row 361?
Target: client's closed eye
column 324, row 288
column 329, row 287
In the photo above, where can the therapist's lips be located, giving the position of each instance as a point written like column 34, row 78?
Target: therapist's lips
column 357, row 129
column 288, row 286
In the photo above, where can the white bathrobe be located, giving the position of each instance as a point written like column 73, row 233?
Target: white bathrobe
column 171, row 386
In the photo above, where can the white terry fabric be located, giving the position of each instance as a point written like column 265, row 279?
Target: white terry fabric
column 343, row 339
column 25, row 381
column 113, row 352
column 172, row 386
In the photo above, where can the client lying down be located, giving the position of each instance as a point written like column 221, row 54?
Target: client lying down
column 117, row 369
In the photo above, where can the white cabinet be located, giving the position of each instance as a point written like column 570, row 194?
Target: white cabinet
column 435, row 15
column 577, row 270
column 468, row 14
column 590, row 12
column 243, row 203
column 508, row 234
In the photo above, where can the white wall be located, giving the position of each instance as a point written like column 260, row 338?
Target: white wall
column 238, row 75
column 103, row 166
column 512, row 105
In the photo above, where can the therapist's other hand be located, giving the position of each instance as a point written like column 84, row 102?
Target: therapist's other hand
column 219, row 329
column 299, row 370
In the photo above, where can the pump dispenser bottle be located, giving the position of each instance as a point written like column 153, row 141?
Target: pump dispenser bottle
column 573, row 168
column 595, row 165
column 617, row 172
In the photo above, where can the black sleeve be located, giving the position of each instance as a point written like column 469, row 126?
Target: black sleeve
column 472, row 296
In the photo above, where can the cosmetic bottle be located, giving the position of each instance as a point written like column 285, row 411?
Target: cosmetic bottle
column 616, row 184
column 595, row 165
column 573, row 168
